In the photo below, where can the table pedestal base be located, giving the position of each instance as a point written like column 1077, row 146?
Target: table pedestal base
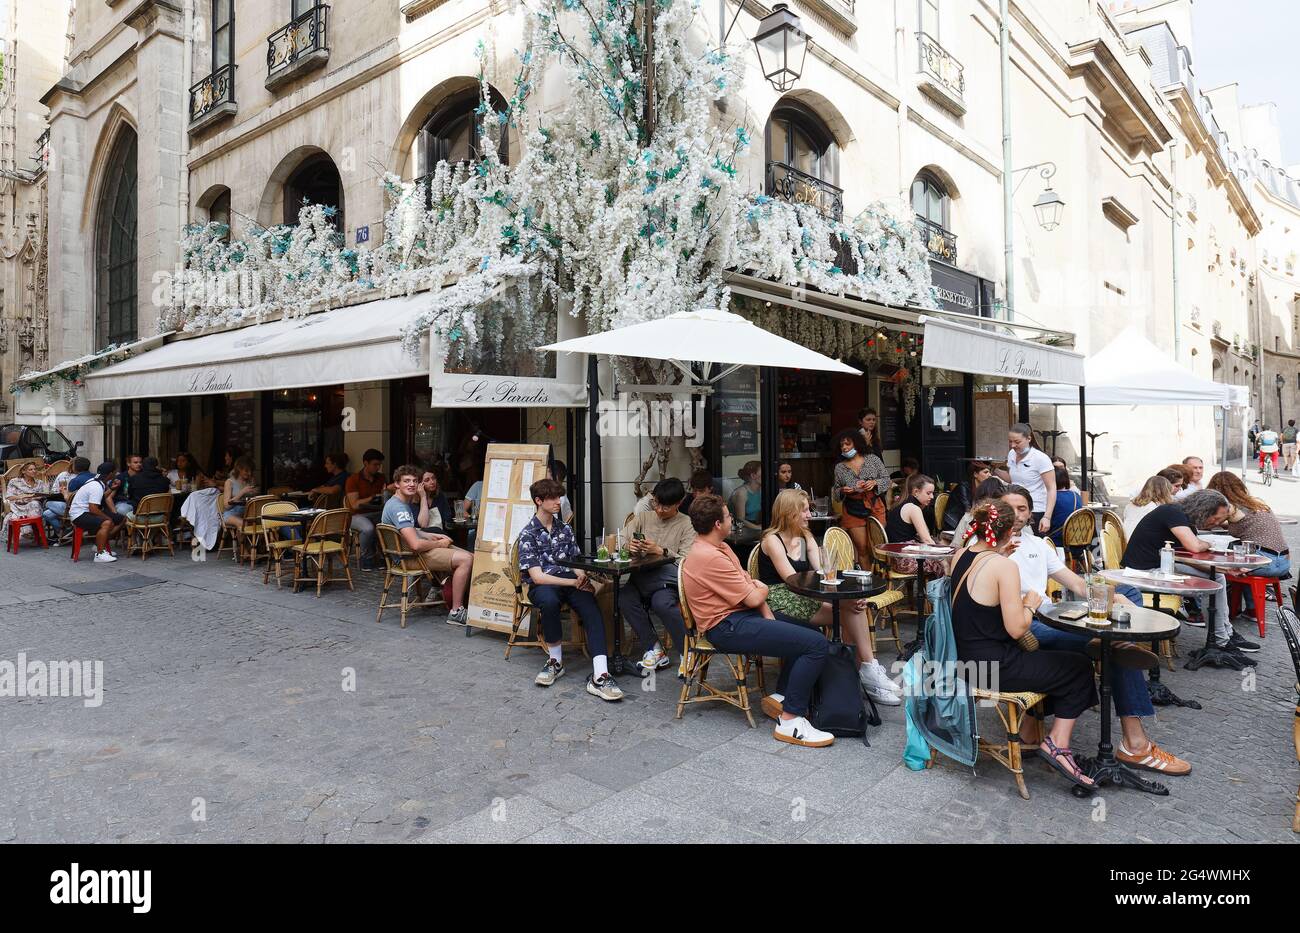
column 1217, row 656
column 1116, row 774
column 1163, row 696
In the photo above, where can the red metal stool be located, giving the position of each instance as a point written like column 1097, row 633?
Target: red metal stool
column 76, row 542
column 1258, row 586
column 16, row 525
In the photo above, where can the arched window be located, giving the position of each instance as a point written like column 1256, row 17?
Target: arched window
column 115, row 246
column 803, row 160
column 219, row 211
column 930, row 200
column 316, row 181
column 453, row 131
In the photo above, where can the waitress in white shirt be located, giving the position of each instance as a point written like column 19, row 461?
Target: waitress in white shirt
column 1031, row 468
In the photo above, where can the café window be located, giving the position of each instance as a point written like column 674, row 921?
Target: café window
column 802, row 159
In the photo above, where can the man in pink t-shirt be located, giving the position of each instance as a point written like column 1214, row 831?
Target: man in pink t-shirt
column 730, row 609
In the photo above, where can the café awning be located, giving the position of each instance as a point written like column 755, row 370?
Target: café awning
column 1131, row 370
column 360, row 343
column 987, row 351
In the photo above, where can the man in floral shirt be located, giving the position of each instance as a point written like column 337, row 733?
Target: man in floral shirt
column 543, row 543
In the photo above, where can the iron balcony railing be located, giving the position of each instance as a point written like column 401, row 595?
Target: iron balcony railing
column 938, row 64
column 214, row 91
column 941, row 243
column 42, row 157
column 789, row 184
column 305, row 36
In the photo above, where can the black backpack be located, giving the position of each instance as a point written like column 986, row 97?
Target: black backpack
column 839, row 704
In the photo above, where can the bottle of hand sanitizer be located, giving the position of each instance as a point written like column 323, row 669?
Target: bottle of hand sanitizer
column 1167, row 559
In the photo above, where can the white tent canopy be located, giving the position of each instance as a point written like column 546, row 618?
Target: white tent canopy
column 706, row 335
column 1131, row 370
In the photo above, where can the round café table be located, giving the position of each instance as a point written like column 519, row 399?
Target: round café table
column 931, row 552
column 1144, row 625
column 1213, row 654
column 809, row 583
column 1189, row 587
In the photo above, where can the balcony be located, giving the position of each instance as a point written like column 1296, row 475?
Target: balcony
column 940, row 76
column 839, row 13
column 941, row 243
column 299, row 47
column 213, row 98
column 789, row 184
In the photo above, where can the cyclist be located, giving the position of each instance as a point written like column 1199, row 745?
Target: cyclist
column 1269, row 444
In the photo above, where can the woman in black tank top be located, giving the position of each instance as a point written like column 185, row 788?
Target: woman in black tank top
column 990, row 634
column 904, row 524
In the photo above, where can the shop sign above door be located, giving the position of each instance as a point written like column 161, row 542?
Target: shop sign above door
column 964, row 349
column 476, row 390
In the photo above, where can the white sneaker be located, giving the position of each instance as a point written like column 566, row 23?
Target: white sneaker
column 104, row 557
column 552, row 672
column 800, row 731
column 605, row 688
column 656, row 659
column 878, row 685
column 458, row 616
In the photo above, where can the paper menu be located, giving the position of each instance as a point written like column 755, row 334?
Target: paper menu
column 525, row 478
column 498, row 485
column 520, row 515
column 494, row 519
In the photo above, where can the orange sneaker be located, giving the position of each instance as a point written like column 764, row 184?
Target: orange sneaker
column 1154, row 758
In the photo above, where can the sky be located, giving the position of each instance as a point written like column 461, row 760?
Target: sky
column 1252, row 42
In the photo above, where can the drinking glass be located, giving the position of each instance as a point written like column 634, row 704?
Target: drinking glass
column 1099, row 600
column 1249, row 548
column 830, row 573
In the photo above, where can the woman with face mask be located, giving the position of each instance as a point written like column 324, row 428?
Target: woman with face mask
column 859, row 485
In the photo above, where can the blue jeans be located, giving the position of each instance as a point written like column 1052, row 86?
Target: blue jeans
column 55, row 509
column 550, row 601
column 1128, row 688
column 802, row 649
column 652, row 591
column 1280, row 569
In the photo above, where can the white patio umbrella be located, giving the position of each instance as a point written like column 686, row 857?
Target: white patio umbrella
column 705, row 335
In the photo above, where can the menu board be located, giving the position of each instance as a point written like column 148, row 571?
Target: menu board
column 890, row 415
column 992, row 422
column 506, row 507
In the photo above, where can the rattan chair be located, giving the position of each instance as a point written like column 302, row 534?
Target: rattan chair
column 278, row 491
column 153, row 517
column 331, row 498
column 1290, row 626
column 58, row 466
column 275, row 538
column 250, row 534
column 1011, row 709
column 405, row 565
column 880, row 560
column 1077, row 535
column 940, row 506
column 225, row 533
column 839, row 545
column 525, row 611
column 327, row 541
column 697, row 655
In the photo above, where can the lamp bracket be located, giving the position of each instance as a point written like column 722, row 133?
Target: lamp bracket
column 1046, row 171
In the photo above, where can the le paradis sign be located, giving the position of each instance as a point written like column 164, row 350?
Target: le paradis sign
column 475, row 390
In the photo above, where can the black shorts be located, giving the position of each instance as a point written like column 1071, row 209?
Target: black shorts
column 89, row 522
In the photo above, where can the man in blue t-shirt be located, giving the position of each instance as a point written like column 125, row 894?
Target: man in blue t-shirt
column 435, row 552
column 336, row 465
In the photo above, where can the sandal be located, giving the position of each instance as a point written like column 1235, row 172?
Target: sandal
column 1056, row 757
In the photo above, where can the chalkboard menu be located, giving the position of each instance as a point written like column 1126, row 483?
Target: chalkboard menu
column 891, row 415
column 240, row 418
column 737, row 407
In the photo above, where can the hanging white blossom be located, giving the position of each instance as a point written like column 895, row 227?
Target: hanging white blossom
column 618, row 218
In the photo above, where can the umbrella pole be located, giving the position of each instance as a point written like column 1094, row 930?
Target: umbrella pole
column 1083, row 445
column 597, row 511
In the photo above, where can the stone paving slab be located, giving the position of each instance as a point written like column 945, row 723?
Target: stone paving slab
column 238, row 711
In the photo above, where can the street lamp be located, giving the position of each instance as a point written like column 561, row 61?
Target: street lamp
column 1049, row 205
column 782, row 45
column 1280, row 381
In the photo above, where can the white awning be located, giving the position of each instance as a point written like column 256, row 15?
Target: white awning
column 1131, row 370
column 361, row 343
column 964, row 348
column 138, row 346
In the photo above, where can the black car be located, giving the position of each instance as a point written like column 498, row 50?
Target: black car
column 21, row 441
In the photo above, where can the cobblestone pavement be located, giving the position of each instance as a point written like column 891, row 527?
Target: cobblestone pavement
column 225, row 718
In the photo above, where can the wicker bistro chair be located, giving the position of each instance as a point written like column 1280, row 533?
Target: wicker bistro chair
column 153, row 518
column 276, row 539
column 1077, row 536
column 332, row 498
column 225, row 534
column 881, row 563
column 839, row 546
column 525, row 611
column 250, row 534
column 327, row 540
column 697, row 655
column 1011, row 709
column 54, row 469
column 404, row 565
column 940, row 506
